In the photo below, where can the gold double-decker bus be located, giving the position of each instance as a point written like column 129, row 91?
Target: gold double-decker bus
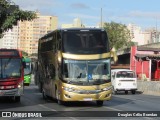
column 74, row 64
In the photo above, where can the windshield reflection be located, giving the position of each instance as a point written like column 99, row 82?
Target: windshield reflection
column 95, row 72
column 126, row 74
column 10, row 68
column 27, row 69
column 89, row 42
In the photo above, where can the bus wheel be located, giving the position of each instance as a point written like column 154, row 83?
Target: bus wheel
column 44, row 95
column 133, row 91
column 40, row 87
column 99, row 103
column 57, row 98
column 126, row 92
column 17, row 98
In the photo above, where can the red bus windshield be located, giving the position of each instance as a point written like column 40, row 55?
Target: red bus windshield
column 10, row 68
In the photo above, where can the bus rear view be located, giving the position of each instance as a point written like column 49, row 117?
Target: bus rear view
column 11, row 73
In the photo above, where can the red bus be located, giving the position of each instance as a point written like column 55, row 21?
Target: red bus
column 11, row 73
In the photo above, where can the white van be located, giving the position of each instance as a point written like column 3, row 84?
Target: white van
column 123, row 80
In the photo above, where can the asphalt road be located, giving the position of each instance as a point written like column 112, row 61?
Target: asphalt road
column 32, row 101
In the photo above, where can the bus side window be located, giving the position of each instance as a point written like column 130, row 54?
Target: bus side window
column 52, row 71
column 24, row 64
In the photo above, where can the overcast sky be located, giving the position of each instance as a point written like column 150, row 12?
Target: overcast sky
column 144, row 13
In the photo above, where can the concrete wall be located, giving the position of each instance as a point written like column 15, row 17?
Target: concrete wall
column 149, row 87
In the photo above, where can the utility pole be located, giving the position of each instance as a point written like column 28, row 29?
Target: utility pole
column 156, row 32
column 101, row 17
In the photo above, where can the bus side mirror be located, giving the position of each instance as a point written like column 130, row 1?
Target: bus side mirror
column 24, row 64
column 114, row 55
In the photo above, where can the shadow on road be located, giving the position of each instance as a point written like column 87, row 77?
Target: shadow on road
column 33, row 97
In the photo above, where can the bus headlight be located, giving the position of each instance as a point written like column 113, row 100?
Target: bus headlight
column 68, row 89
column 107, row 88
column 20, row 85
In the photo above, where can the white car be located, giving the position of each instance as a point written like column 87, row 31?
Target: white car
column 123, row 80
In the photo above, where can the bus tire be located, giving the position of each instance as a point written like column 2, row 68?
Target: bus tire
column 57, row 98
column 17, row 98
column 40, row 87
column 99, row 103
column 126, row 92
column 44, row 95
column 133, row 91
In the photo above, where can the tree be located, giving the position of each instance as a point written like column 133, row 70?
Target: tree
column 24, row 53
column 10, row 14
column 118, row 35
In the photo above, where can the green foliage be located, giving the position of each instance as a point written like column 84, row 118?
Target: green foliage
column 10, row 14
column 118, row 34
column 34, row 54
column 24, row 53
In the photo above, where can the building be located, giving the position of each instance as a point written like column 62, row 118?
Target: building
column 10, row 38
column 77, row 23
column 154, row 35
column 25, row 35
column 31, row 31
column 145, row 61
column 138, row 36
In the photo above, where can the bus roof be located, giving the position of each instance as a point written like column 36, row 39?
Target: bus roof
column 73, row 29
column 79, row 29
column 10, row 53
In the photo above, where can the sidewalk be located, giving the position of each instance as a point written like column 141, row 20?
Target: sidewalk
column 149, row 87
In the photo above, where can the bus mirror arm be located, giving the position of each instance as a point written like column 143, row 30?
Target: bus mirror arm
column 114, row 55
column 59, row 57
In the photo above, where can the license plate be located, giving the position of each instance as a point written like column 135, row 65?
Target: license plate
column 87, row 99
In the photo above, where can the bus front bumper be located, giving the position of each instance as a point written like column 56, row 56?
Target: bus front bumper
column 71, row 96
column 12, row 92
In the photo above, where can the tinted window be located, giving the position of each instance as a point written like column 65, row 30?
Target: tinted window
column 85, row 42
column 10, row 67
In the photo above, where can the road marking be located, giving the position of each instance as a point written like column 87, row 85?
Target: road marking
column 113, row 108
column 132, row 99
column 56, row 111
column 47, row 107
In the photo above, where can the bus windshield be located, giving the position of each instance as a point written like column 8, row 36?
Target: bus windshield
column 27, row 69
column 10, row 68
column 85, row 42
column 126, row 74
column 86, row 72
